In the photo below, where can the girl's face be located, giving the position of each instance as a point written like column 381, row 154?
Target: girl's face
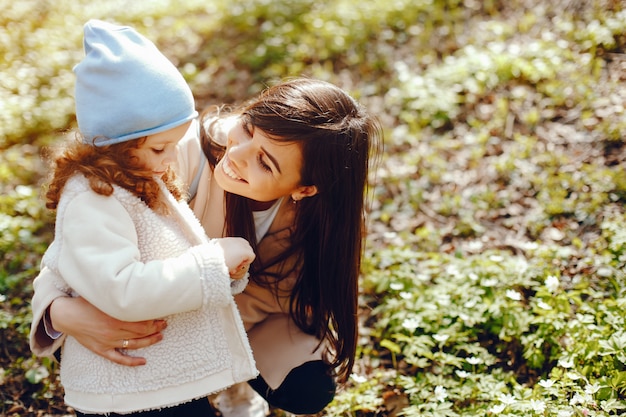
column 158, row 151
column 256, row 167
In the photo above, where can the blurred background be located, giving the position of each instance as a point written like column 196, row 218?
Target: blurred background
column 493, row 281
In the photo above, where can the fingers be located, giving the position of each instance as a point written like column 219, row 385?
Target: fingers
column 76, row 317
column 103, row 334
column 240, row 271
column 115, row 354
column 142, row 342
column 238, row 275
column 122, row 359
column 140, row 329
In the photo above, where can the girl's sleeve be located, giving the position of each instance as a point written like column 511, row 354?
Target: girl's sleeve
column 100, row 260
column 45, row 292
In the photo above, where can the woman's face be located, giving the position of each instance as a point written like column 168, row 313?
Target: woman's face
column 158, row 151
column 256, row 167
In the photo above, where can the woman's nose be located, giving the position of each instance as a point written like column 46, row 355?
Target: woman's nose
column 237, row 137
column 238, row 153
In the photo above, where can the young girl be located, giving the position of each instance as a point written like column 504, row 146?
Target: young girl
column 294, row 164
column 127, row 242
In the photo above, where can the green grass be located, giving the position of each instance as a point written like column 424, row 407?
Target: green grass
column 493, row 281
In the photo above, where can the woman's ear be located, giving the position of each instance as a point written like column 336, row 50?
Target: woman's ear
column 304, row 191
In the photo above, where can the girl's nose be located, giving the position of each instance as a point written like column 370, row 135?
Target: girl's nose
column 170, row 156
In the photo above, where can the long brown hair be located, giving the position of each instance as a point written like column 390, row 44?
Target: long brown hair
column 105, row 166
column 338, row 140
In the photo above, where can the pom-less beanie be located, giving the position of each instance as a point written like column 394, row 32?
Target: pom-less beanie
column 126, row 88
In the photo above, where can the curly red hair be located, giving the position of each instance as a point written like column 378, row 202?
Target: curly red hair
column 107, row 166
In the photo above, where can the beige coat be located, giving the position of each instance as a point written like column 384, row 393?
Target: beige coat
column 277, row 344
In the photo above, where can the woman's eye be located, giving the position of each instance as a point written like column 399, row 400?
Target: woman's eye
column 157, row 151
column 265, row 166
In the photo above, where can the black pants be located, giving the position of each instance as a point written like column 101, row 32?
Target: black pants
column 307, row 389
column 196, row 408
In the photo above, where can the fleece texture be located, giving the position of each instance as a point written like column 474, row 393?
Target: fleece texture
column 136, row 264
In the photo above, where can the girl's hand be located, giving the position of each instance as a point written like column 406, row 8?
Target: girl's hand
column 240, row 271
column 102, row 334
column 238, row 255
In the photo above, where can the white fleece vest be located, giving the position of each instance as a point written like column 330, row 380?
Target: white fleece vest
column 203, row 350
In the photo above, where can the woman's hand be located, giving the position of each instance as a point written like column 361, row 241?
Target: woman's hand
column 102, row 334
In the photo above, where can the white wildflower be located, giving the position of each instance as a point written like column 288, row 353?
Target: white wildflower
column 544, row 306
column 397, row 286
column 453, row 270
column 441, row 338
column 462, row 374
column 546, row 383
column 440, row 393
column 581, row 399
column 423, row 277
column 497, row 409
column 471, row 303
column 474, row 246
column 513, row 295
column 490, row 282
column 538, row 406
column 473, row 360
column 359, row 379
column 405, row 295
column 552, row 283
column 443, row 299
column 566, row 363
column 529, row 245
column 507, row 399
column 577, row 399
column 466, row 319
column 411, row 323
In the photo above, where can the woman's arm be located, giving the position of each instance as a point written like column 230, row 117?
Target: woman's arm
column 103, row 334
column 45, row 292
column 92, row 328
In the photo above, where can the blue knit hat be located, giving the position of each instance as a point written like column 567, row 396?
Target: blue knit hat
column 126, row 88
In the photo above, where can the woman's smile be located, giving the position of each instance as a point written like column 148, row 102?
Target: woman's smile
column 228, row 169
column 258, row 167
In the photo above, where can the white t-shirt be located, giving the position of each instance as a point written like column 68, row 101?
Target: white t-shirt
column 263, row 219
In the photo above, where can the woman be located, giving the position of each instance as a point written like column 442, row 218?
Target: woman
column 293, row 163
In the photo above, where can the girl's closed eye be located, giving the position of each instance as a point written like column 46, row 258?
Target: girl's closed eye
column 158, row 151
